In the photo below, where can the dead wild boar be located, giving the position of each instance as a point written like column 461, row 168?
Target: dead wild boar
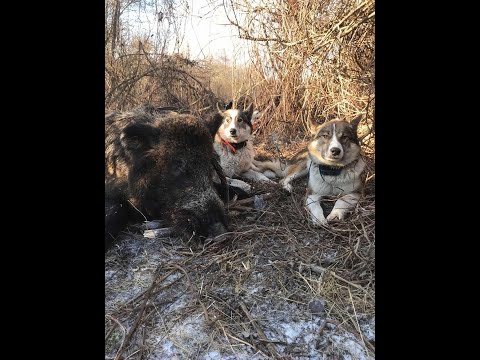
column 160, row 164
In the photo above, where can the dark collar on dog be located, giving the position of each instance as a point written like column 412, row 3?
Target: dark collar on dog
column 328, row 170
column 234, row 146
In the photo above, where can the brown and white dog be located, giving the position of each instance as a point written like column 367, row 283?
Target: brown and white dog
column 334, row 165
column 233, row 144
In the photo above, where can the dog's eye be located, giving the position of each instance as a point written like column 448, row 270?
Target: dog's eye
column 325, row 136
column 240, row 120
column 227, row 120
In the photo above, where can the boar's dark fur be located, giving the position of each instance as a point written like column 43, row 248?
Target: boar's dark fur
column 159, row 164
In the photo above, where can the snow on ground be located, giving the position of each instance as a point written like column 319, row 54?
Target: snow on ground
column 177, row 329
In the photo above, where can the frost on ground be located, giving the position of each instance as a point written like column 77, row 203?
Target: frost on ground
column 270, row 291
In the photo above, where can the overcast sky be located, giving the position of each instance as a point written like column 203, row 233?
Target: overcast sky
column 207, row 32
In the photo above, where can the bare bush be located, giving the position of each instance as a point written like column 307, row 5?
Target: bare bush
column 318, row 55
column 141, row 70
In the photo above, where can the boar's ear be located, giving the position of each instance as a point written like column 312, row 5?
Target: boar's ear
column 139, row 137
column 213, row 121
column 354, row 123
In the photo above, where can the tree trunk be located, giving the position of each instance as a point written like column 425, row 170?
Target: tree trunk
column 115, row 25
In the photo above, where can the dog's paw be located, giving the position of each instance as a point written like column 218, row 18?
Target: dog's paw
column 337, row 214
column 286, row 186
column 240, row 184
column 267, row 180
column 270, row 174
column 319, row 222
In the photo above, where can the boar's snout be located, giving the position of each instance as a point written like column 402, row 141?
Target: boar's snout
column 201, row 222
column 217, row 229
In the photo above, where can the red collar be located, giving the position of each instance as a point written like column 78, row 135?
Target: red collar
column 235, row 146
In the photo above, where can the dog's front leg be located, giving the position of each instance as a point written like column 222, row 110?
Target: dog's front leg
column 268, row 173
column 256, row 176
column 343, row 206
column 312, row 203
column 295, row 171
column 239, row 184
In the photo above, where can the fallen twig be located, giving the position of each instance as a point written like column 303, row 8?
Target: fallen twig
column 163, row 232
column 194, row 289
column 113, row 327
column 320, row 270
column 260, row 332
column 139, row 317
column 249, row 200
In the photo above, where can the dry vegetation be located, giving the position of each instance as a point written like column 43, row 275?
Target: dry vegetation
column 317, row 55
column 235, row 297
column 139, row 70
column 250, row 293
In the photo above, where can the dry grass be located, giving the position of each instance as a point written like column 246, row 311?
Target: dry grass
column 318, row 56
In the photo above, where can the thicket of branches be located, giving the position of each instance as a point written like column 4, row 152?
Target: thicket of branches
column 139, row 69
column 316, row 56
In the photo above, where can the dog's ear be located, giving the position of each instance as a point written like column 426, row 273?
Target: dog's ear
column 315, row 123
column 249, row 111
column 255, row 117
column 229, row 105
column 138, row 138
column 313, row 128
column 220, row 111
column 354, row 123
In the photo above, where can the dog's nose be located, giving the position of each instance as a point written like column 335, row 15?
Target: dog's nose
column 233, row 131
column 335, row 151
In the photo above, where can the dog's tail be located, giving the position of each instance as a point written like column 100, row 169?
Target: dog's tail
column 275, row 165
column 282, row 168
